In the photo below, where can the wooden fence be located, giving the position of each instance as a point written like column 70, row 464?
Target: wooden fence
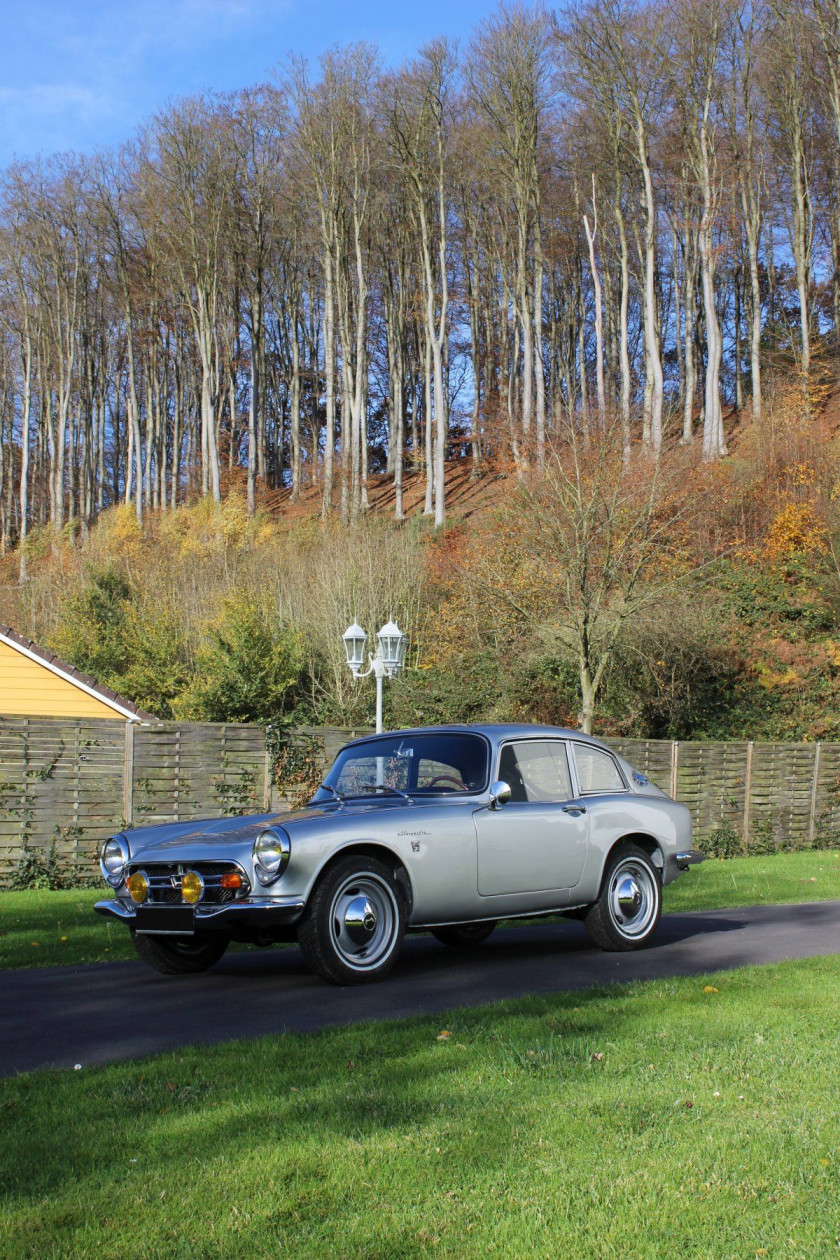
column 72, row 783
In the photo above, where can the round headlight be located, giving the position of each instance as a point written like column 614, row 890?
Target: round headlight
column 272, row 850
column 113, row 859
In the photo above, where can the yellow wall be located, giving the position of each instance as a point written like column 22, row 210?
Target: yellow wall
column 32, row 690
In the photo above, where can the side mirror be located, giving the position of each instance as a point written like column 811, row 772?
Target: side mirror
column 499, row 793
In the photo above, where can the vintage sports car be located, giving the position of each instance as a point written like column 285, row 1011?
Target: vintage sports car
column 446, row 829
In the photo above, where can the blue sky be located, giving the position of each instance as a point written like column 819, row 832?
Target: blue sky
column 81, row 74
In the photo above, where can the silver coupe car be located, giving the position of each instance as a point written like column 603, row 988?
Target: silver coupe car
column 446, row 829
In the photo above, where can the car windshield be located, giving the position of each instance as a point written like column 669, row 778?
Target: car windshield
column 421, row 765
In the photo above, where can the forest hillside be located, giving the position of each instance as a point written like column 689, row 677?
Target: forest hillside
column 208, row 612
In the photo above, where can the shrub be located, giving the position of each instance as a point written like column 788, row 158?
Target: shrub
column 796, row 530
column 248, row 670
column 674, row 672
column 722, row 842
column 469, row 689
column 134, row 647
column 92, row 621
column 41, row 870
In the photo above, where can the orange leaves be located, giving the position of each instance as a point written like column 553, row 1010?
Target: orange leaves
column 795, row 531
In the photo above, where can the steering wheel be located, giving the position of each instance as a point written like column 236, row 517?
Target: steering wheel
column 460, row 785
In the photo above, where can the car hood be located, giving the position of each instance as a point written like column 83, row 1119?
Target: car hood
column 159, row 842
column 208, row 832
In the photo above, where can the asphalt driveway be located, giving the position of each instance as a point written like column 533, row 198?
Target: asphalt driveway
column 60, row 1016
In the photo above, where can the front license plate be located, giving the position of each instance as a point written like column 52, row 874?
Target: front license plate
column 163, row 920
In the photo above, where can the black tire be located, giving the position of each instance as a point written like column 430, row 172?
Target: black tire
column 628, row 908
column 463, row 935
column 180, row 955
column 354, row 923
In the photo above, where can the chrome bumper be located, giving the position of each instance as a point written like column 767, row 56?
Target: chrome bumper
column 676, row 863
column 255, row 913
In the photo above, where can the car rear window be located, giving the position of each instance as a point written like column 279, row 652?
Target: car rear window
column 597, row 770
column 427, row 764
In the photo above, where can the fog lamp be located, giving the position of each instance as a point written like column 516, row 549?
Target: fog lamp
column 192, row 887
column 138, row 886
column 231, row 879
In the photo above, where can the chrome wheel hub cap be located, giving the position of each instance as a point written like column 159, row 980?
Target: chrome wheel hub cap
column 360, row 920
column 633, row 898
column 629, row 896
column 364, row 921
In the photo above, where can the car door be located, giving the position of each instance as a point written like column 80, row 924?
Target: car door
column 537, row 841
column 603, row 791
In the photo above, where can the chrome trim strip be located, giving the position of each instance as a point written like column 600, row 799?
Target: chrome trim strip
column 498, row 917
column 257, row 906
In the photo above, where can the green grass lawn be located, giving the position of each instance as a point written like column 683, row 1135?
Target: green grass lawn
column 757, row 881
column 696, row 1117
column 43, row 929
column 39, row 929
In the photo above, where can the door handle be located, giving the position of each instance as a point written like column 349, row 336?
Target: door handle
column 574, row 810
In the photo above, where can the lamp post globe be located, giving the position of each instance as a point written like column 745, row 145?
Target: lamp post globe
column 354, row 646
column 389, row 659
column 392, row 645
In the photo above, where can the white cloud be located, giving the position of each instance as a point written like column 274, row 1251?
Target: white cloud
column 89, row 72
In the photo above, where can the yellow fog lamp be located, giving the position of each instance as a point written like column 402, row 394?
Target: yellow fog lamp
column 138, row 886
column 192, row 887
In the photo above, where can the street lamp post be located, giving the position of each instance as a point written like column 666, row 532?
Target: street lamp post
column 387, row 663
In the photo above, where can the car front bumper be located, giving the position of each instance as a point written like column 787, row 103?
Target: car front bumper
column 251, row 914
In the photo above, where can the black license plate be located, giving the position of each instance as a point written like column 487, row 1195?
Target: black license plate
column 176, row 920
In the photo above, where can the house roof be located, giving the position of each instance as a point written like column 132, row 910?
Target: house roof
column 125, row 708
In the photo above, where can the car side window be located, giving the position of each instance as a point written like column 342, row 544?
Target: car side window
column 597, row 770
column 536, row 770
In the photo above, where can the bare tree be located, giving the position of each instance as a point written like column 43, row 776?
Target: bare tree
column 594, row 530
column 417, row 105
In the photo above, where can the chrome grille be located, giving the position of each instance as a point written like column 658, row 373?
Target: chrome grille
column 165, row 881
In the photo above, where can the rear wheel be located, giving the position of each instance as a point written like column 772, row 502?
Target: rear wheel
column 627, row 911
column 355, row 922
column 463, row 935
column 179, row 955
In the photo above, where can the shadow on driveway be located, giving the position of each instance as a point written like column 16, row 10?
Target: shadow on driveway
column 58, row 1016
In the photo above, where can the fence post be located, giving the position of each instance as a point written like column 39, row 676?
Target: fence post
column 812, row 816
column 675, row 768
column 128, row 775
column 267, row 780
column 747, row 793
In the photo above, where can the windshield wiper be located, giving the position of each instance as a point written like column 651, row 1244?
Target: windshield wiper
column 380, row 787
column 329, row 788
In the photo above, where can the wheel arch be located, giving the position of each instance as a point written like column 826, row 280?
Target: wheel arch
column 644, row 840
column 373, row 849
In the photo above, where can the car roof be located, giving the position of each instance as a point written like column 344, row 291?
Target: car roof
column 496, row 732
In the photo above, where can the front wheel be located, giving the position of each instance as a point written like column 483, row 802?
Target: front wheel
column 463, row 935
column 179, row 955
column 627, row 911
column 354, row 923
